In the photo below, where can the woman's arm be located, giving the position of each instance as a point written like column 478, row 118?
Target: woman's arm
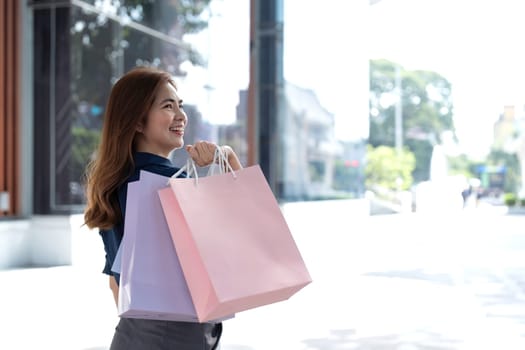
column 114, row 288
column 232, row 157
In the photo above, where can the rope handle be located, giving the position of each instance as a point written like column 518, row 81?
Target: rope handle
column 219, row 158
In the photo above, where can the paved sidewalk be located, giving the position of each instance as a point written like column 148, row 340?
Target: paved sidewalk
column 360, row 312
column 380, row 283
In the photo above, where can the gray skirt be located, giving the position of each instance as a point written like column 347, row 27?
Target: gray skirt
column 140, row 334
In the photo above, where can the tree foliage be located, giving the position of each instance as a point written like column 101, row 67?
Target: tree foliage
column 388, row 168
column 426, row 110
column 512, row 168
column 115, row 41
column 462, row 165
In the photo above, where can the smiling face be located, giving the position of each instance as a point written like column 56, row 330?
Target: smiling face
column 163, row 130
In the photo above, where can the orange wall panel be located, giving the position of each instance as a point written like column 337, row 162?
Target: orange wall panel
column 9, row 107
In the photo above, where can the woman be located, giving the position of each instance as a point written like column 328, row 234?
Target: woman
column 143, row 124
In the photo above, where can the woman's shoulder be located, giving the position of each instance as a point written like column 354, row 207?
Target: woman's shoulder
column 153, row 163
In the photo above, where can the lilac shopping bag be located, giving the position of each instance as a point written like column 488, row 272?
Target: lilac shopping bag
column 233, row 243
column 152, row 284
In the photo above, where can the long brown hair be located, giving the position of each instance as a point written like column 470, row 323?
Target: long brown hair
column 129, row 103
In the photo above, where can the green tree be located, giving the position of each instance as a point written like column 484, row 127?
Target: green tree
column 103, row 48
column 426, row 110
column 462, row 165
column 511, row 163
column 388, row 168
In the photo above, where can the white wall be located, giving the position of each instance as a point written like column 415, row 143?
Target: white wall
column 38, row 241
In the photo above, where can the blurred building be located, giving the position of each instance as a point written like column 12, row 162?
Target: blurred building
column 509, row 137
column 507, row 129
column 310, row 147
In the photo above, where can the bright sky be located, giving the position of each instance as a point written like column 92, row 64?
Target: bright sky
column 225, row 45
column 325, row 49
column 476, row 45
column 315, row 57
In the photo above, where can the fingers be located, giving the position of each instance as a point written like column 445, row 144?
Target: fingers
column 202, row 152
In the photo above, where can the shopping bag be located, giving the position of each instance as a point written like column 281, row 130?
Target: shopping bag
column 152, row 284
column 233, row 243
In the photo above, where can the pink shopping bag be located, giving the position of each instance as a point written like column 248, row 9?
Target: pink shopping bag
column 233, row 243
column 152, row 284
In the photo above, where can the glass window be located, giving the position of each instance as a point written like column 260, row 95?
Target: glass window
column 81, row 50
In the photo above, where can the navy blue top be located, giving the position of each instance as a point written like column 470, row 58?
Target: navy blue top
column 112, row 238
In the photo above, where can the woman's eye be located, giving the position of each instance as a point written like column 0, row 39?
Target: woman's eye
column 181, row 107
column 169, row 106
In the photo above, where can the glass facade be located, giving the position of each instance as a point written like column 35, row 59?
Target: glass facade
column 82, row 47
column 80, row 50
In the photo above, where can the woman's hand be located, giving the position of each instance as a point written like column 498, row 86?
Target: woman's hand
column 203, row 152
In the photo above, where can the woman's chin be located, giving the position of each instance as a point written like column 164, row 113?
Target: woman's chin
column 178, row 144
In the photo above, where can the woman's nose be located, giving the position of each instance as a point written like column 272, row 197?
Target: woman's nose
column 181, row 116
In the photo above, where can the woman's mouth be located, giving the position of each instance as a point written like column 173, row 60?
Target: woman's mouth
column 179, row 130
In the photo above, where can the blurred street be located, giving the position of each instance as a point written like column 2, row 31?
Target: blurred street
column 386, row 282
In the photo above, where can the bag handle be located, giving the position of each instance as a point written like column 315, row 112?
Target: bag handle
column 219, row 158
column 189, row 167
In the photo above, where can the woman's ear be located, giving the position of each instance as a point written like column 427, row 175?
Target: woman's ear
column 139, row 128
